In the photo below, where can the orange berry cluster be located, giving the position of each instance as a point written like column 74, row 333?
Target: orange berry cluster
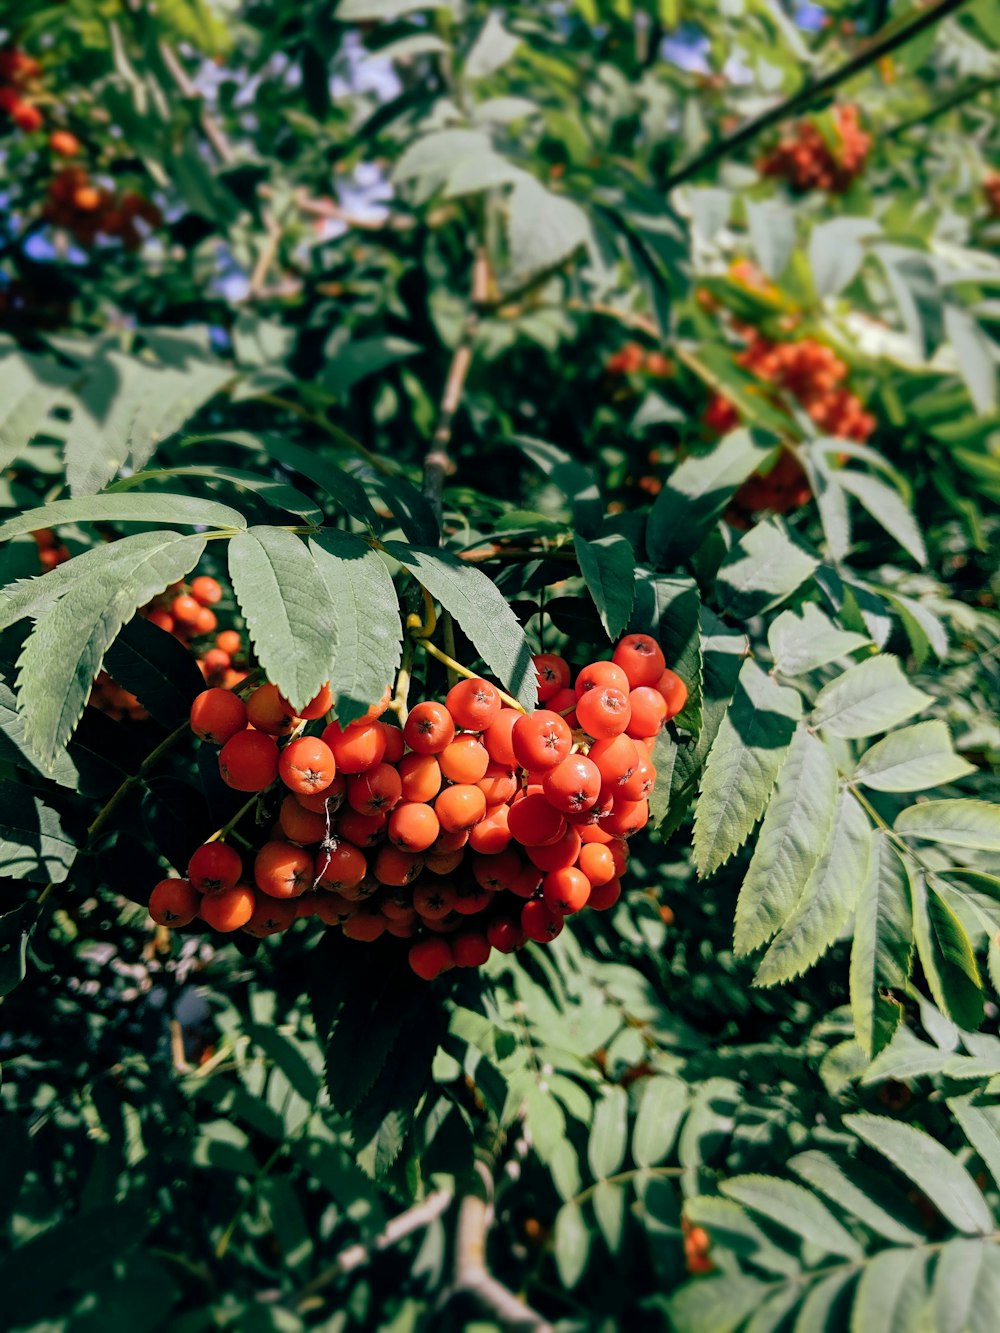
column 633, row 359
column 697, row 1244
column 51, row 551
column 476, row 826
column 807, row 161
column 17, row 72
column 88, row 210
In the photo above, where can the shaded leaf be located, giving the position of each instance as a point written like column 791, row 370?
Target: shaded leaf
column 880, row 956
column 608, row 568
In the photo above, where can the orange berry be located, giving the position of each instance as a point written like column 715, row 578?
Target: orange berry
column 673, row 690
column 64, row 143
column 430, row 957
column 450, row 841
column 496, row 872
column 563, row 702
column 283, row 870
column 420, row 775
column 604, row 896
column 206, row 622
column 375, row 710
column 214, row 866
column 394, row 743
column 332, row 908
column 217, row 716
column 268, row 712
column 573, row 785
column 471, row 948
column 641, row 783
column 375, row 790
column 498, row 737
column 565, row 890
column 307, row 765
column 641, row 658
column 27, row 117
column 173, row 902
column 460, row 807
column 413, row 826
column 444, row 863
column 366, row 926
column 596, row 862
column 603, row 712
column 396, row 867
column 617, row 758
column 249, row 761
column 601, row 674
column 551, row 673
column 627, row 818
column 541, row 740
column 270, row 917
column 505, row 934
column 648, row 712
column 492, row 834
column 473, row 704
column 357, row 747
column 318, row 705
column 206, row 590
column 539, row 922
column 229, row 641
column 185, row 610
column 498, row 784
column 301, row 825
column 556, row 855
column 434, row 899
column 466, row 759
column 362, row 830
column 429, row 728
column 326, row 801
column 229, row 909
column 534, row 822
column 341, row 867
column 215, row 661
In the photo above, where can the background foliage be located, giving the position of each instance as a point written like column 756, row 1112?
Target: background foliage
column 531, row 242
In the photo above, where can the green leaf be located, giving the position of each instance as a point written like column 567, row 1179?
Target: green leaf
column 698, row 490
column 608, row 1200
column 276, row 493
column 14, row 748
column 369, row 631
column 958, row 823
column 430, row 160
column 288, row 609
column 743, row 763
column 891, row 1292
column 803, row 640
column 842, row 1185
column 409, row 508
column 183, row 510
column 63, row 654
column 576, row 482
column 15, row 931
column 669, row 610
column 836, row 252
column 772, row 234
column 715, row 1304
column 29, row 389
column 976, row 356
column 481, row 611
column 946, row 956
column 888, row 509
column 912, row 759
column 880, row 956
column 493, row 47
column 608, row 1133
column 966, row 1287
column 932, row 1168
column 792, row 837
column 608, row 568
column 979, row 1120
column 160, row 671
column 762, row 569
column 355, row 360
column 827, row 899
column 125, row 408
column 543, row 228
column 335, row 481
column 661, row 1109
column 824, row 1309
column 924, row 629
column 794, row 1208
column 733, row 1229
column 870, row 697
column 571, row 1243
column 361, row 11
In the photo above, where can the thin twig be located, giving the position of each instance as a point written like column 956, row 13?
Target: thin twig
column 889, row 39
column 210, row 126
column 960, row 95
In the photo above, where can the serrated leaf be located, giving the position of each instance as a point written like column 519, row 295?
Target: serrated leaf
column 608, row 1133
column 719, row 1304
column 883, row 940
column 772, row 234
column 668, row 609
column 63, row 654
column 571, row 1243
column 803, row 640
column 824, row 1309
column 576, row 481
column 33, row 846
column 966, row 1288
column 946, row 956
column 958, row 823
column 608, row 568
column 125, row 408
column 408, row 507
column 493, row 47
column 14, row 748
column 276, row 493
column 366, row 613
column 976, row 355
column 29, row 389
column 794, row 1208
column 183, row 510
column 979, row 1119
column 762, row 569
column 335, row 481
column 698, row 490
column 836, row 252
column 925, row 630
column 742, row 765
column 661, row 1109
column 733, row 1229
column 870, row 697
column 904, row 1058
column 481, row 611
column 15, row 931
column 543, row 228
column 912, row 759
column 931, row 1167
column 827, row 899
column 288, row 610
column 159, row 671
column 832, row 1178
column 792, row 837
column 888, row 509
column 891, row 1292
column 356, row 359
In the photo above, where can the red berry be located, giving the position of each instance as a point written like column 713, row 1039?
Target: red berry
column 539, row 922
column 541, row 740
column 551, row 673
column 215, row 866
column 218, row 715
column 249, row 761
column 641, row 658
column 173, row 902
column 307, row 765
column 473, row 704
column 430, row 957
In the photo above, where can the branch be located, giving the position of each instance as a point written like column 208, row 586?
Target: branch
column 890, row 39
column 960, row 95
column 210, row 126
column 414, row 1219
